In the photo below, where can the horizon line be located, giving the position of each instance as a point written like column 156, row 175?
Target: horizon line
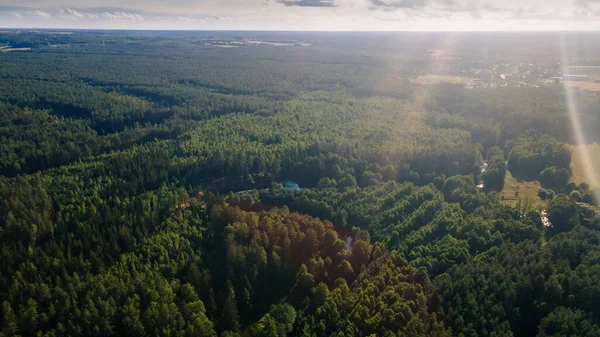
column 304, row 30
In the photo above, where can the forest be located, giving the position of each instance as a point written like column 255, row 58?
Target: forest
column 155, row 184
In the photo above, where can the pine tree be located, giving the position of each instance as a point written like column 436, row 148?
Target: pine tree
column 229, row 314
column 9, row 321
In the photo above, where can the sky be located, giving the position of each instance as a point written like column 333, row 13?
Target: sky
column 316, row 15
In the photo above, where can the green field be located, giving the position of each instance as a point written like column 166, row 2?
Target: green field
column 435, row 79
column 515, row 190
column 578, row 166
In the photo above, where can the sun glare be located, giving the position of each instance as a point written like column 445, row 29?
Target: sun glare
column 576, row 126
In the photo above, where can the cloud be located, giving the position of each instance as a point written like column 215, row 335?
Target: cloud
column 71, row 14
column 304, row 14
column 458, row 5
column 476, row 15
column 185, row 19
column 473, row 10
column 308, row 3
column 586, row 3
column 439, row 6
column 408, row 4
column 122, row 16
column 221, row 18
column 40, row 14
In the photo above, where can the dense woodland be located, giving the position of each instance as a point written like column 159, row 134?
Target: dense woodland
column 152, row 184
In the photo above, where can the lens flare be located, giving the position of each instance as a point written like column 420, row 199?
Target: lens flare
column 436, row 65
column 576, row 125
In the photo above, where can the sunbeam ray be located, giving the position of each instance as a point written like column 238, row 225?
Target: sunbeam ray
column 576, row 126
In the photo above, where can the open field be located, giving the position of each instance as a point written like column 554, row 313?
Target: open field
column 592, row 71
column 584, row 70
column 591, row 86
column 577, row 163
column 523, row 189
column 434, row 79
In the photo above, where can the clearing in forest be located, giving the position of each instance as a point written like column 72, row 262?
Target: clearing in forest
column 591, row 86
column 514, row 190
column 577, row 163
column 435, row 79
